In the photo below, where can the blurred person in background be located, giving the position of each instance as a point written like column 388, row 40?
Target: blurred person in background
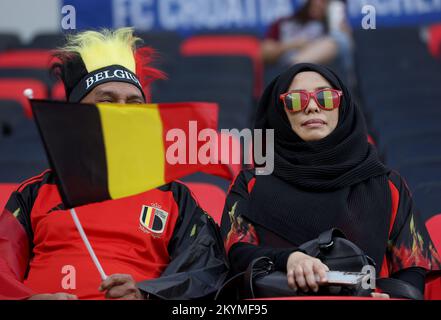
column 180, row 257
column 316, row 33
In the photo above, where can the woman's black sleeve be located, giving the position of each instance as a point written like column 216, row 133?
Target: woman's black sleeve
column 415, row 276
column 410, row 250
column 242, row 254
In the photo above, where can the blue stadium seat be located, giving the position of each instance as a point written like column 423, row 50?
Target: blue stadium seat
column 9, row 41
column 48, row 41
column 166, row 44
column 412, row 148
column 428, row 202
column 21, row 150
column 405, row 125
column 421, row 171
column 225, row 80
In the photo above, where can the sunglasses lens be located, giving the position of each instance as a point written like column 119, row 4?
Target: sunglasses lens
column 295, row 101
column 328, row 99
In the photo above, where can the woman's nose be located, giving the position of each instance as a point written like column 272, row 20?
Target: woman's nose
column 312, row 106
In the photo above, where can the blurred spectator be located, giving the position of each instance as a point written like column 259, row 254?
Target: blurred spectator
column 316, row 33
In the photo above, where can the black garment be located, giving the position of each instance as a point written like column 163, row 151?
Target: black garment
column 243, row 253
column 415, row 276
column 409, row 251
column 337, row 181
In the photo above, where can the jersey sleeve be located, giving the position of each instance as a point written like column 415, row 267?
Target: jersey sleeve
column 16, row 239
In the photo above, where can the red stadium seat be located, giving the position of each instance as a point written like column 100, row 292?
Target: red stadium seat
column 433, row 285
column 432, row 290
column 12, row 89
column 58, row 92
column 210, row 197
column 5, row 191
column 435, row 40
column 228, row 45
column 34, row 59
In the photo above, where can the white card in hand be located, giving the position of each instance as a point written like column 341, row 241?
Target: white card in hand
column 345, row 278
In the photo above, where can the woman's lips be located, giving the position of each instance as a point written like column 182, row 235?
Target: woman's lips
column 313, row 123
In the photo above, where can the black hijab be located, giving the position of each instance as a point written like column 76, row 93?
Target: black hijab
column 337, row 181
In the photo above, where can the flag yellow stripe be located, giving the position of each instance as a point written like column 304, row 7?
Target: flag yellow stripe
column 133, row 140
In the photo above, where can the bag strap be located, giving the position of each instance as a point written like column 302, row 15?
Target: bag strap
column 230, row 285
column 326, row 239
column 258, row 268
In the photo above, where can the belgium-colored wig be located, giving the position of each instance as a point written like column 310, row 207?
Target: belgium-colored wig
column 89, row 51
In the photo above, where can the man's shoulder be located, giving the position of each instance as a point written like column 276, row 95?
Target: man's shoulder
column 23, row 198
column 180, row 192
column 174, row 186
column 34, row 184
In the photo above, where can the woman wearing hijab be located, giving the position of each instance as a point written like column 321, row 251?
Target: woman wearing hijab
column 326, row 175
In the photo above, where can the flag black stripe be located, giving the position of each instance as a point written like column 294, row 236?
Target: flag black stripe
column 79, row 159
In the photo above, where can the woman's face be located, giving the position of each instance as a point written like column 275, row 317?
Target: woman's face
column 313, row 123
column 317, row 9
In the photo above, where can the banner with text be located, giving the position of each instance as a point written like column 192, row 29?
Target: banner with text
column 192, row 16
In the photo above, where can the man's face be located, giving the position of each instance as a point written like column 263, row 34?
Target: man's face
column 115, row 92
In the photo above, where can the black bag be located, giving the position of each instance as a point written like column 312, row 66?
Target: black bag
column 260, row 280
column 340, row 254
column 337, row 252
column 331, row 247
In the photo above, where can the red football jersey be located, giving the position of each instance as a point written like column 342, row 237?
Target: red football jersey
column 129, row 236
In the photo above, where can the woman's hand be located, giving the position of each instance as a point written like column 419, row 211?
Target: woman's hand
column 305, row 272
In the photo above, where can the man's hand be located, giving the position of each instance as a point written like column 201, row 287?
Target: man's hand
column 120, row 286
column 305, row 272
column 54, row 296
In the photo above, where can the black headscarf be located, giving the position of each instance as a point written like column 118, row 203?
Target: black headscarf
column 337, row 181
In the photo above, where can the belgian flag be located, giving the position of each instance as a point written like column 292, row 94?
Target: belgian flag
column 108, row 151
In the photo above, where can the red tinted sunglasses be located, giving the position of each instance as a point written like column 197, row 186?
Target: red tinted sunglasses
column 298, row 100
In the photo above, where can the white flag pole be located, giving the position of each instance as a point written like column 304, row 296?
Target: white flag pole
column 87, row 243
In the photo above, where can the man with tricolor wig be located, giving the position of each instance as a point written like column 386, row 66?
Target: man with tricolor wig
column 157, row 244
